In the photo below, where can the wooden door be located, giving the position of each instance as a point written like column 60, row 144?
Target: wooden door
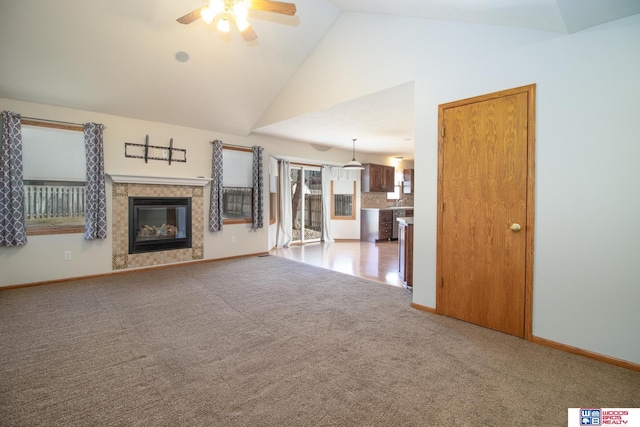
column 485, row 223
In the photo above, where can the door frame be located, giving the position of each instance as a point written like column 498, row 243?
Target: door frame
column 530, row 90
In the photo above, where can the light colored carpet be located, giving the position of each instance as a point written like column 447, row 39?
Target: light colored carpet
column 265, row 341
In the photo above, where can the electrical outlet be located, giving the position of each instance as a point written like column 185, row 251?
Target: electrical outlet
column 67, row 255
column 233, row 239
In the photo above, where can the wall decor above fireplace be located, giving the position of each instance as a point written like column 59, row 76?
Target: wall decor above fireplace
column 155, row 152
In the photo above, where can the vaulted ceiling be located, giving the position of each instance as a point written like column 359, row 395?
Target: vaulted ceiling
column 132, row 59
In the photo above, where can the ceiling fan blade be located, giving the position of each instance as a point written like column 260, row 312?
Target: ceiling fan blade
column 191, row 16
column 274, row 6
column 248, row 34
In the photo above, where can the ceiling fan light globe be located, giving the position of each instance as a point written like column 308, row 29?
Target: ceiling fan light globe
column 242, row 24
column 217, row 6
column 240, row 10
column 207, row 15
column 223, row 24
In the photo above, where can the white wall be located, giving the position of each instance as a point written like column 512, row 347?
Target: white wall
column 42, row 259
column 587, row 256
column 587, row 228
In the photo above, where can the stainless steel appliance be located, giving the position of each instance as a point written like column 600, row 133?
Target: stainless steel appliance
column 397, row 213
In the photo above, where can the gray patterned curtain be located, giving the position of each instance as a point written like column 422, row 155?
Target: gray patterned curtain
column 12, row 227
column 258, row 178
column 96, row 203
column 215, row 211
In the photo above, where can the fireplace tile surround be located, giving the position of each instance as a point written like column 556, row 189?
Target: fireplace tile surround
column 120, row 218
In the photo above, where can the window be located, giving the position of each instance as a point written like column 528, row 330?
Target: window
column 343, row 195
column 54, row 170
column 237, row 183
column 273, row 190
column 273, row 207
column 343, row 205
column 237, row 202
column 398, row 179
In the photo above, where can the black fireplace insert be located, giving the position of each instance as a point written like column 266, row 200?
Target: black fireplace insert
column 159, row 224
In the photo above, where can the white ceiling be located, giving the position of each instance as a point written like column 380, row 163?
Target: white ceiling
column 119, row 57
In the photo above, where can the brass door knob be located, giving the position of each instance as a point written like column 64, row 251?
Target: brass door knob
column 515, row 227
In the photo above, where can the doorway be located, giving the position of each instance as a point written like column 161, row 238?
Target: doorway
column 306, row 203
column 485, row 216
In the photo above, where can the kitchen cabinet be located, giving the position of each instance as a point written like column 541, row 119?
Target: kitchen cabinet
column 407, row 181
column 376, row 224
column 405, row 253
column 377, row 178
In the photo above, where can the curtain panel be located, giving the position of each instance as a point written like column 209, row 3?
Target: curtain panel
column 257, row 220
column 96, row 197
column 340, row 174
column 284, row 233
column 215, row 207
column 13, row 230
column 326, row 204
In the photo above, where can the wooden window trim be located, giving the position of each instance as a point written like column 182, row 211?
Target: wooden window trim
column 53, row 125
column 237, row 221
column 353, row 205
column 236, row 148
column 43, row 231
column 273, row 207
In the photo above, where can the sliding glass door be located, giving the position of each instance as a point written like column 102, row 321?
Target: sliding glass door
column 306, row 203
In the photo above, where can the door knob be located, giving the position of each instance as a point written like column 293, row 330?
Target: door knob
column 515, row 227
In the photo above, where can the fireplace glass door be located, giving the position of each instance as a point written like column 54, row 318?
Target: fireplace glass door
column 159, row 223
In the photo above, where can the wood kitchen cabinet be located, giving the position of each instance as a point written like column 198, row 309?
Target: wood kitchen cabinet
column 376, row 224
column 377, row 178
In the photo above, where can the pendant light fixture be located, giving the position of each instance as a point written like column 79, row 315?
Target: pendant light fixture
column 354, row 164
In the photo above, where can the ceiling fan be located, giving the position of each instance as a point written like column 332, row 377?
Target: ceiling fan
column 225, row 11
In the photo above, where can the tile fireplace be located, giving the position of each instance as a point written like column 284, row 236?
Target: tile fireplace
column 123, row 191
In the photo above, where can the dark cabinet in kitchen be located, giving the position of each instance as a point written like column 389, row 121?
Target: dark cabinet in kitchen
column 377, row 178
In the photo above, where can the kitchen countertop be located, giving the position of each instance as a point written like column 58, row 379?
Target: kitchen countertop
column 392, row 208
column 405, row 220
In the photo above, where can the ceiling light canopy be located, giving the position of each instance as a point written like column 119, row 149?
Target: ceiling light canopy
column 353, row 164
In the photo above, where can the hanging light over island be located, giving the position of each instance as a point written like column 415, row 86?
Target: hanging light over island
column 354, row 164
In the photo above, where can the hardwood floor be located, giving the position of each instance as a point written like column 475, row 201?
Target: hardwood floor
column 373, row 261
